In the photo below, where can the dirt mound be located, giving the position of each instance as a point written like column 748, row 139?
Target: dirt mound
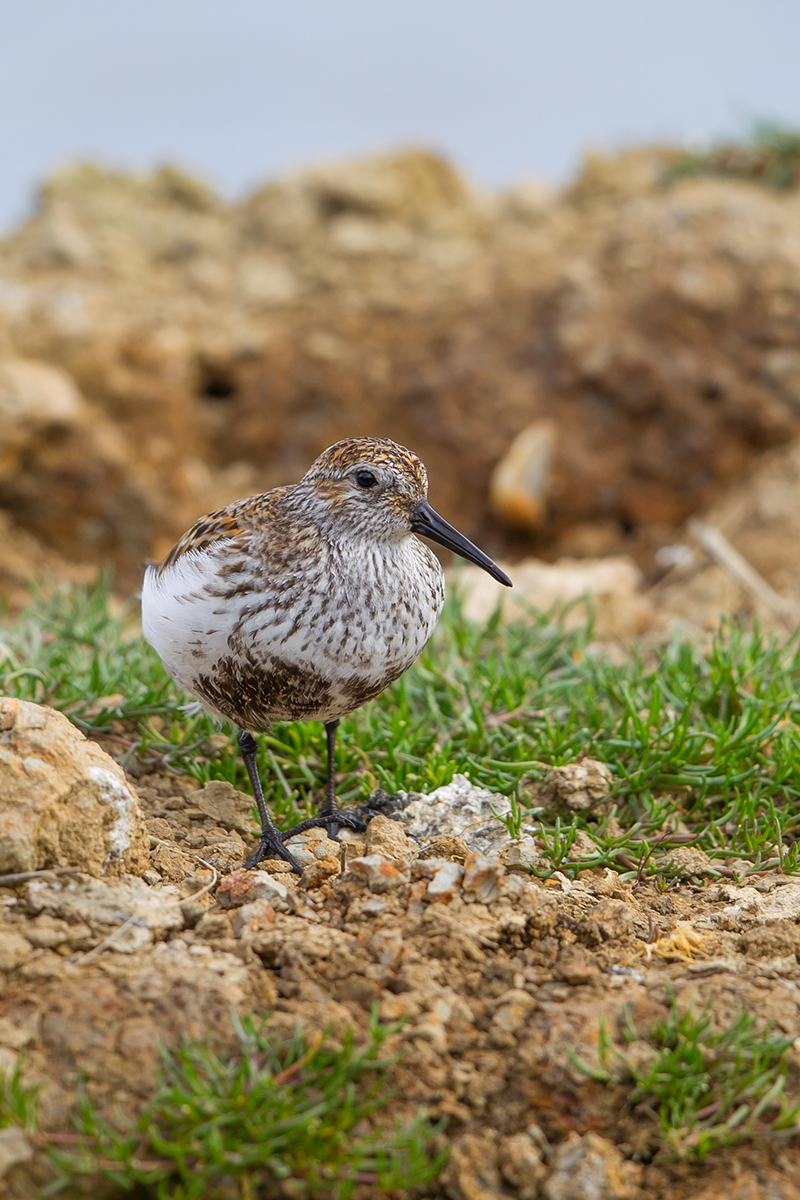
column 221, row 347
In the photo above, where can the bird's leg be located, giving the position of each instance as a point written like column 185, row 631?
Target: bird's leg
column 270, row 844
column 330, row 815
column 334, row 817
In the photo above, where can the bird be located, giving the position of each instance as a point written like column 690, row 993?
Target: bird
column 304, row 603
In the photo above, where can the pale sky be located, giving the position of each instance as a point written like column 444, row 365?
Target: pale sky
column 238, row 90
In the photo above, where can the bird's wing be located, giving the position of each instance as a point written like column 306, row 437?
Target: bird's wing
column 221, row 525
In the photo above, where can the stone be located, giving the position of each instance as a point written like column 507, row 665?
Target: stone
column 192, row 911
column 445, row 882
column 308, row 845
column 519, row 483
column 521, row 1164
column 14, row 1149
column 521, row 855
column 446, row 848
column 377, row 872
column 221, row 802
column 582, row 847
column 243, row 887
column 481, row 877
column 318, row 872
column 583, row 786
column 227, row 854
column 171, row 863
column 614, row 918
column 14, row 948
column 462, row 810
column 58, row 454
column 104, row 905
column 252, row 918
column 213, row 926
column 63, row 800
column 387, row 837
column 688, row 860
column 426, row 868
column 472, row 1171
column 589, row 1167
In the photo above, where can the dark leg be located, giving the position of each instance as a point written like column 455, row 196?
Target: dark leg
column 271, row 843
column 330, row 815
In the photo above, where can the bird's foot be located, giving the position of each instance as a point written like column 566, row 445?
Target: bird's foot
column 331, row 822
column 270, row 845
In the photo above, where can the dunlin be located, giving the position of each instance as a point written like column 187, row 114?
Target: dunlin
column 304, row 603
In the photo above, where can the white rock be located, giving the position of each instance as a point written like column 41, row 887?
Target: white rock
column 781, row 904
column 459, row 809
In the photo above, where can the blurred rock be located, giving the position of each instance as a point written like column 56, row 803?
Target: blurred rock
column 252, row 918
column 63, row 801
column 14, row 1148
column 481, row 877
column 14, row 948
column 226, row 807
column 521, row 1164
column 590, row 1168
column 518, row 487
column 66, row 472
column 246, row 887
column 608, row 590
column 583, row 786
column 444, row 884
column 102, row 906
column 377, row 872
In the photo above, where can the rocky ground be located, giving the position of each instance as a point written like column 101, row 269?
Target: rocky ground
column 145, row 929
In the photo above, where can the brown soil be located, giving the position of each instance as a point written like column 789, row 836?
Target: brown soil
column 498, row 986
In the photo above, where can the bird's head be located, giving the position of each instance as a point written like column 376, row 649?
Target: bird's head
column 374, row 489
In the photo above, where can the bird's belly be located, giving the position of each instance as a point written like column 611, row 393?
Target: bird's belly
column 253, row 661
column 322, row 673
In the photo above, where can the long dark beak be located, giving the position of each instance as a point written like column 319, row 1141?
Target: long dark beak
column 426, row 521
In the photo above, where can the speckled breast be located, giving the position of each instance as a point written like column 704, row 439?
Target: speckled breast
column 340, row 643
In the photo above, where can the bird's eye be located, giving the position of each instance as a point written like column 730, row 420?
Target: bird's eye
column 365, row 479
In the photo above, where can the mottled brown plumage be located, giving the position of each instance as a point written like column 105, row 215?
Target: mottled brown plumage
column 305, row 602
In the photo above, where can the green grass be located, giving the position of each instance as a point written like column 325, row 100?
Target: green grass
column 706, row 1087
column 275, row 1110
column 769, row 155
column 704, row 746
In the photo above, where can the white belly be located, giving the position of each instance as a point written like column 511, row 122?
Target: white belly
column 313, row 650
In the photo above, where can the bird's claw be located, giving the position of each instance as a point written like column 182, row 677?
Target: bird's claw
column 270, row 845
column 331, row 822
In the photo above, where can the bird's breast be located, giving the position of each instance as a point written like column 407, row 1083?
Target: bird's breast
column 314, row 641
